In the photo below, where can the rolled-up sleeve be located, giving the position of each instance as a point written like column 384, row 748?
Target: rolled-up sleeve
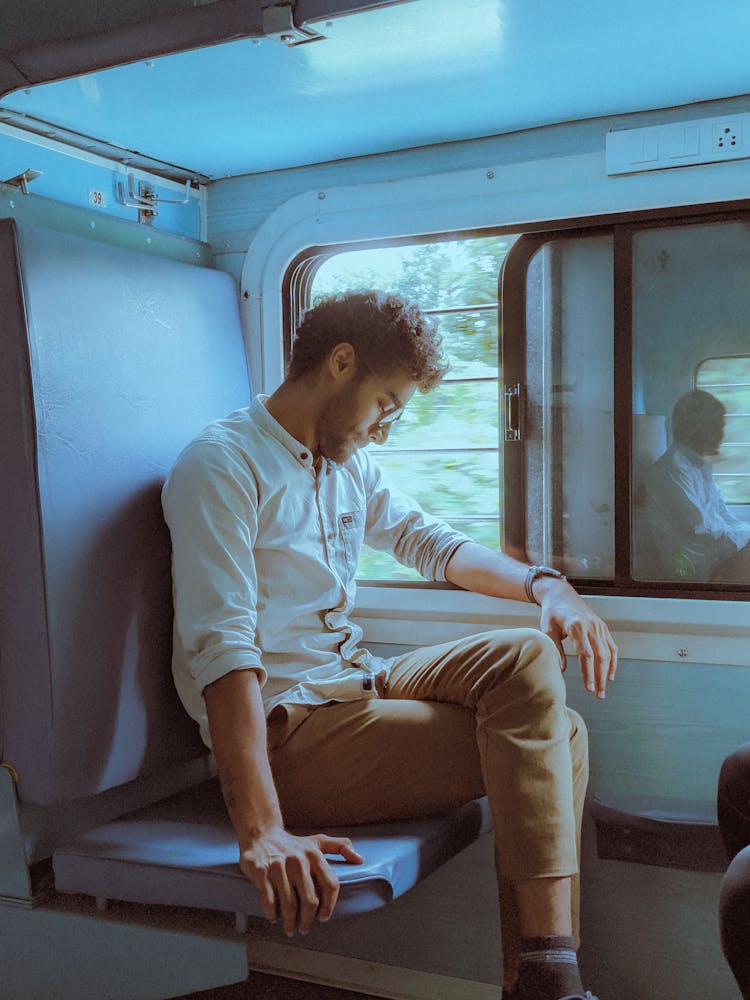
column 210, row 503
column 396, row 523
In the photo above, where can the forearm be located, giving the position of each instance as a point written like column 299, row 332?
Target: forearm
column 238, row 736
column 485, row 571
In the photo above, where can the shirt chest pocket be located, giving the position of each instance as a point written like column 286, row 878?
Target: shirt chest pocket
column 352, row 533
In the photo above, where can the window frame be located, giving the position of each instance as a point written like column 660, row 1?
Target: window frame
column 295, row 291
column 512, row 297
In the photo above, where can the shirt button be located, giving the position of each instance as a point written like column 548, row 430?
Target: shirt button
column 303, row 456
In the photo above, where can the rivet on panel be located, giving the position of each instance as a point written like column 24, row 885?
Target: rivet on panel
column 490, row 175
column 322, row 195
column 682, row 653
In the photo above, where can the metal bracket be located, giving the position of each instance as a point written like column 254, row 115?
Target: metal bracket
column 23, row 180
column 145, row 198
column 278, row 24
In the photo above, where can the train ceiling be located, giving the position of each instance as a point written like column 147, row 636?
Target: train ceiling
column 243, row 86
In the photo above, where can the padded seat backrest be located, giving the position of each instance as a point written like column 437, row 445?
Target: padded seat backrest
column 112, row 360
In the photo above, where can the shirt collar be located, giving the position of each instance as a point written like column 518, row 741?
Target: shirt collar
column 692, row 456
column 299, row 451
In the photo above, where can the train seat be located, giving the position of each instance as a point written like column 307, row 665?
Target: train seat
column 113, row 360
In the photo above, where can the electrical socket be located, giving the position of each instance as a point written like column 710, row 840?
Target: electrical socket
column 721, row 139
column 727, row 135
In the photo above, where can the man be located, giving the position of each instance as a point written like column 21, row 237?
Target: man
column 733, row 809
column 268, row 510
column 696, row 536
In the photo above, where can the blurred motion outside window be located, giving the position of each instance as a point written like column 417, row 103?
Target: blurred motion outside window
column 445, row 451
column 728, row 379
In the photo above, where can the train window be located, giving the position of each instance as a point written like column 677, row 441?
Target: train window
column 691, row 403
column 627, row 370
column 562, row 432
column 446, row 450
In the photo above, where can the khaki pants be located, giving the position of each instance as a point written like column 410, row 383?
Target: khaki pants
column 482, row 715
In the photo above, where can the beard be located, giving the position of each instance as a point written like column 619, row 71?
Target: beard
column 338, row 437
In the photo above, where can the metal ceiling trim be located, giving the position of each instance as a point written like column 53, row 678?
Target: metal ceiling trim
column 96, row 148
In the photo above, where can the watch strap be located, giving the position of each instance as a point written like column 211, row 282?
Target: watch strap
column 533, row 574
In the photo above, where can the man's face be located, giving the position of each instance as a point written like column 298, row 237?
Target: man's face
column 362, row 411
column 714, row 433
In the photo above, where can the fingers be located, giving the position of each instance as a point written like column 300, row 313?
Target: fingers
column 327, row 881
column 297, row 885
column 597, row 654
column 328, row 885
column 339, row 845
column 304, row 900
column 556, row 636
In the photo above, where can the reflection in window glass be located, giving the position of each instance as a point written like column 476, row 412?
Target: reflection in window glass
column 691, row 408
column 445, row 451
column 728, row 379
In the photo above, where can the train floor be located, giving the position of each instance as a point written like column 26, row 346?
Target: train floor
column 261, row 986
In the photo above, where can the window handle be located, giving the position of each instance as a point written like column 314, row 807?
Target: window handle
column 512, row 394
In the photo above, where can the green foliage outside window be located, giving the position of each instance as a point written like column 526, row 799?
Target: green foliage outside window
column 445, row 451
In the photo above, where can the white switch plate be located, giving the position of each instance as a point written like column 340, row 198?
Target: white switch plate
column 679, row 144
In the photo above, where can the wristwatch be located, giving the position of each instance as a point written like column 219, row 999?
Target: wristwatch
column 534, row 573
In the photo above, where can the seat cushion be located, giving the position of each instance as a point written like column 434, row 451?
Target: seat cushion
column 182, row 852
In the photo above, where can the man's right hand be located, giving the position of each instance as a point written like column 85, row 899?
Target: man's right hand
column 294, row 879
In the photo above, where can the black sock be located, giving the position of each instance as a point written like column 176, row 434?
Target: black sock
column 549, row 968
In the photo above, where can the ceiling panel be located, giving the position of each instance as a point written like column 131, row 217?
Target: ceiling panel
column 412, row 74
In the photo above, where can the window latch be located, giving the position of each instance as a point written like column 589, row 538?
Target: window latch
column 512, row 396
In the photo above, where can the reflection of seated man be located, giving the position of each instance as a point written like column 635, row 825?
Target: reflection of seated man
column 696, row 536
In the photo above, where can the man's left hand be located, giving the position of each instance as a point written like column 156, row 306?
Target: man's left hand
column 566, row 615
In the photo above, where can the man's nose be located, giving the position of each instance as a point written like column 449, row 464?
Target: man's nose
column 379, row 434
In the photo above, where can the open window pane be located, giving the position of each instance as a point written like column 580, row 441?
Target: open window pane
column 447, row 483
column 445, row 450
column 451, row 416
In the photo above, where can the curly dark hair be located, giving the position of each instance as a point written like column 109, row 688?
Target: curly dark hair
column 387, row 334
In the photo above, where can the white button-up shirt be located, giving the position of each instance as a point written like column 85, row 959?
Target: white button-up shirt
column 693, row 528
column 264, row 554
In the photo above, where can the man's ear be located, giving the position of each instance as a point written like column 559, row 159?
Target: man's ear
column 342, row 362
